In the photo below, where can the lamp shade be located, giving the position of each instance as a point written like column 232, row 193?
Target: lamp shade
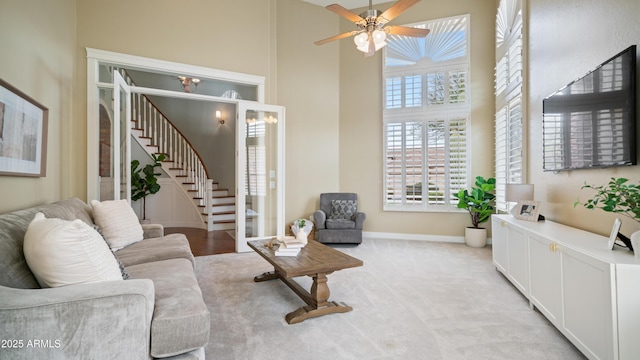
column 517, row 192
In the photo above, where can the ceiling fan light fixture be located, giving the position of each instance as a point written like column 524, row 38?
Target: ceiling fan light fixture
column 362, row 41
column 379, row 39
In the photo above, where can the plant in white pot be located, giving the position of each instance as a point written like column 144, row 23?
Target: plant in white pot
column 618, row 196
column 302, row 228
column 479, row 203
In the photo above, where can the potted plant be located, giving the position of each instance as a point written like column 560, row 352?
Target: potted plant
column 143, row 186
column 301, row 228
column 618, row 196
column 479, row 203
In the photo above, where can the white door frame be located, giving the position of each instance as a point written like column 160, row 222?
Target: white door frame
column 96, row 57
column 276, row 182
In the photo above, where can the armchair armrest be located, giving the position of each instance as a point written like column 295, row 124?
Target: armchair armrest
column 84, row 321
column 152, row 231
column 320, row 217
column 359, row 219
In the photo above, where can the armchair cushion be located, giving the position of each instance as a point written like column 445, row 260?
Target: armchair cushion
column 340, row 224
column 343, row 209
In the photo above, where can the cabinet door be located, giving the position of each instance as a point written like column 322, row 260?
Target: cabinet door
column 518, row 251
column 499, row 244
column 545, row 278
column 587, row 304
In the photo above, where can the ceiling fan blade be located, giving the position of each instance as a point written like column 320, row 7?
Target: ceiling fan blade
column 407, row 31
column 336, row 37
column 347, row 14
column 397, row 9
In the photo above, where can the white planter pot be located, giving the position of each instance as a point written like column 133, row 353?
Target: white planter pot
column 302, row 236
column 475, row 237
column 635, row 242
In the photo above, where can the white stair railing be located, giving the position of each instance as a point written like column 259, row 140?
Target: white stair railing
column 168, row 140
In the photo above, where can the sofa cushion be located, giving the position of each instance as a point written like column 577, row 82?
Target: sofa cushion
column 61, row 252
column 14, row 271
column 340, row 224
column 171, row 246
column 118, row 222
column 180, row 319
column 343, row 209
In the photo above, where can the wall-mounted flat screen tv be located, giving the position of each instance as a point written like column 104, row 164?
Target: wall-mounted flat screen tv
column 591, row 122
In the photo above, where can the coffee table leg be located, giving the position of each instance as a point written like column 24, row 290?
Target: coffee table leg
column 269, row 275
column 320, row 304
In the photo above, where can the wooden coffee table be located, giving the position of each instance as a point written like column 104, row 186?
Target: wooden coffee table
column 315, row 260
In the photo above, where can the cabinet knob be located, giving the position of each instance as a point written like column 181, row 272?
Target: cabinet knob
column 503, row 224
column 553, row 247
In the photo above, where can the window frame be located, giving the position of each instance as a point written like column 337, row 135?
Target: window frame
column 509, row 90
column 424, row 114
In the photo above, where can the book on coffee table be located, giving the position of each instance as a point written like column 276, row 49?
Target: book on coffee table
column 285, row 250
column 292, row 243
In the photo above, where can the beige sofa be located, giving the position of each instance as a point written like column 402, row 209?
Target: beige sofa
column 157, row 313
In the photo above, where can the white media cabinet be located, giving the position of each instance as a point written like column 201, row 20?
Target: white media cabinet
column 590, row 293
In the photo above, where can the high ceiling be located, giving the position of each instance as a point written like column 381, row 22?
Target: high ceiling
column 349, row 4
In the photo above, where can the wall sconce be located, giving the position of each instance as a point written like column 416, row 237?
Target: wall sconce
column 188, row 84
column 219, row 117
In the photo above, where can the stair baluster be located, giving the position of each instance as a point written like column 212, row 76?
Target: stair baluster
column 165, row 138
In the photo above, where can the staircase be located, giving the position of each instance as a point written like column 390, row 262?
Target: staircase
column 157, row 135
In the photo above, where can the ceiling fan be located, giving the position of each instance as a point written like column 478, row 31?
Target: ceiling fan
column 372, row 32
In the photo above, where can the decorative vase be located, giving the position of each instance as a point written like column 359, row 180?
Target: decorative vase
column 635, row 242
column 302, row 236
column 475, row 237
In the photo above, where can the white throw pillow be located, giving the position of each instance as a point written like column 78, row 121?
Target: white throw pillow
column 61, row 252
column 118, row 222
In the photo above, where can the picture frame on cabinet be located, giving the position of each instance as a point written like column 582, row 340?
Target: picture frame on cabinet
column 614, row 233
column 527, row 210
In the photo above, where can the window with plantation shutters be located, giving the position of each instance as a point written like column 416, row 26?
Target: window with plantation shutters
column 509, row 74
column 256, row 181
column 426, row 116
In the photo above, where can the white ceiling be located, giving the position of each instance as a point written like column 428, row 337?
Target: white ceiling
column 349, row 4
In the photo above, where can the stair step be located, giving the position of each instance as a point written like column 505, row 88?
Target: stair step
column 225, row 226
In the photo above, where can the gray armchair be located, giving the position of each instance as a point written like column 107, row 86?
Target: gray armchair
column 338, row 220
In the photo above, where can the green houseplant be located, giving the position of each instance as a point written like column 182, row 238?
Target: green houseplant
column 621, row 197
column 479, row 203
column 618, row 196
column 144, row 180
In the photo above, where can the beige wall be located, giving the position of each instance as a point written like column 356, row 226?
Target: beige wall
column 361, row 147
column 38, row 57
column 566, row 40
column 308, row 80
column 332, row 93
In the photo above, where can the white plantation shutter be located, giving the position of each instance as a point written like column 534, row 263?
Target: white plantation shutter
column 509, row 139
column 426, row 117
column 256, row 181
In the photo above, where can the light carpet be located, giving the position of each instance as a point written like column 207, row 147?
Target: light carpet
column 411, row 300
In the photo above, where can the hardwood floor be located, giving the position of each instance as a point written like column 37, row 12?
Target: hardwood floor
column 204, row 242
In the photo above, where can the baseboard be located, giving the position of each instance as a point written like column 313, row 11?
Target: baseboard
column 417, row 237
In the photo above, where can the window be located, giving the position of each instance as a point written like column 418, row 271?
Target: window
column 255, row 184
column 509, row 140
column 426, row 115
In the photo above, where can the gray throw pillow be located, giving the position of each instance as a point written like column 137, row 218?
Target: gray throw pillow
column 343, row 209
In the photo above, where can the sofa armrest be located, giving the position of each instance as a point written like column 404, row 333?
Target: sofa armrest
column 152, row 231
column 86, row 321
column 320, row 218
column 359, row 219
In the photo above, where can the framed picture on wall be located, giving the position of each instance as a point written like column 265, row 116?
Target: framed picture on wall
column 527, row 210
column 23, row 133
